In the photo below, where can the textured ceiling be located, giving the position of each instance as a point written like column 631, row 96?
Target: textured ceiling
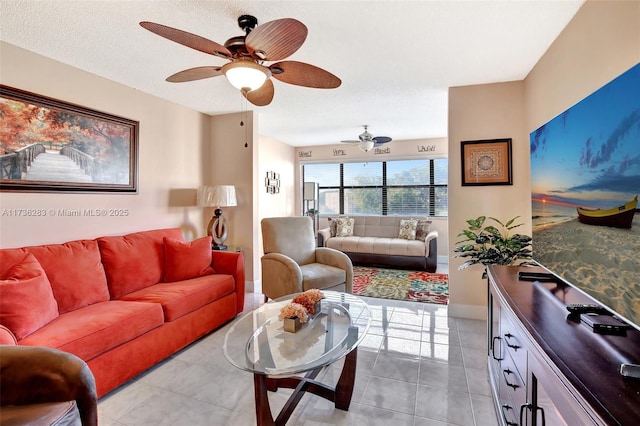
column 396, row 59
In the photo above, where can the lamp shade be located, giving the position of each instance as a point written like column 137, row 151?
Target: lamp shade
column 245, row 75
column 310, row 190
column 366, row 145
column 217, row 196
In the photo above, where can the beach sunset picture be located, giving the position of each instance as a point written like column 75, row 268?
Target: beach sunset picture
column 585, row 179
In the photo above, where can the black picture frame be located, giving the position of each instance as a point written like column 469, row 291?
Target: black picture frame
column 87, row 150
column 486, row 162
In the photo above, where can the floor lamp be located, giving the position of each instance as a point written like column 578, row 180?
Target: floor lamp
column 310, row 197
column 217, row 196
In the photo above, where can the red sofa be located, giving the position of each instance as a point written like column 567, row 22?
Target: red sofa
column 122, row 304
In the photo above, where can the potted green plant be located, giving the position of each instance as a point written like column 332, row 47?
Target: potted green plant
column 490, row 245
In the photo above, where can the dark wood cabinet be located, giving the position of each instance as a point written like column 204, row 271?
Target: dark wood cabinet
column 545, row 368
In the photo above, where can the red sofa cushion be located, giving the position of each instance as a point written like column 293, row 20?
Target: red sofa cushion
column 184, row 260
column 95, row 329
column 134, row 261
column 181, row 298
column 9, row 257
column 26, row 299
column 75, row 272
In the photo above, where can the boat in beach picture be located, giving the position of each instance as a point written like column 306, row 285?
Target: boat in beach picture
column 617, row 217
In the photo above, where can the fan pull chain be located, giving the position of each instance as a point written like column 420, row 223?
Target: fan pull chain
column 243, row 110
column 246, row 132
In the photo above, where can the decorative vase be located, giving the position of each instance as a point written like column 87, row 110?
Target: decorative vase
column 292, row 324
column 317, row 308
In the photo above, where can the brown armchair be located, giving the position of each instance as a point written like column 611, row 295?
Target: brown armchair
column 292, row 263
column 45, row 386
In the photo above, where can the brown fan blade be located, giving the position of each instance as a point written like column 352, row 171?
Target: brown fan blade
column 276, row 40
column 192, row 74
column 306, row 75
column 187, row 39
column 262, row 96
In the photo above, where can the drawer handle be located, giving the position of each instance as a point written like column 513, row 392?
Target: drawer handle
column 522, row 408
column 507, row 407
column 511, row 345
column 493, row 348
column 529, row 407
column 504, row 373
column 543, row 419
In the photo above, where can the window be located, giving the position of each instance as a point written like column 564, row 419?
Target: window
column 402, row 187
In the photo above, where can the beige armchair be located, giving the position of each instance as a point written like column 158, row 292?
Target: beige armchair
column 292, row 263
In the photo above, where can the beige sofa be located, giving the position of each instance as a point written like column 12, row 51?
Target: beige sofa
column 375, row 242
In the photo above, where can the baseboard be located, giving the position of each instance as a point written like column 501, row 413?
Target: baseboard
column 475, row 312
column 443, row 259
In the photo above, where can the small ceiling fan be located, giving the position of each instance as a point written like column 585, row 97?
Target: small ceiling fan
column 367, row 141
column 271, row 41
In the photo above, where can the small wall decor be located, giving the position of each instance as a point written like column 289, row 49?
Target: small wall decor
column 272, row 182
column 486, row 162
column 51, row 145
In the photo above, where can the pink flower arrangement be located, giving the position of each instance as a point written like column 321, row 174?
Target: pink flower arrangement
column 293, row 310
column 302, row 305
column 308, row 299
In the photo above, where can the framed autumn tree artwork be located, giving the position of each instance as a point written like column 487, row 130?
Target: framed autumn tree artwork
column 51, row 145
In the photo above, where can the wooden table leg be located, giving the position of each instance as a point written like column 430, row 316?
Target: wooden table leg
column 344, row 387
column 263, row 410
column 341, row 394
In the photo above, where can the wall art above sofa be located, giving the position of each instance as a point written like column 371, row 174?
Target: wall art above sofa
column 51, row 145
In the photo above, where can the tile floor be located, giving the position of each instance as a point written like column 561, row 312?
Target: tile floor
column 416, row 367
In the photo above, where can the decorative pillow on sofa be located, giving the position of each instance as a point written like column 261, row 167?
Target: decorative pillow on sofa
column 408, row 229
column 184, row 260
column 135, row 261
column 333, row 224
column 344, row 226
column 75, row 272
column 422, row 230
column 26, row 298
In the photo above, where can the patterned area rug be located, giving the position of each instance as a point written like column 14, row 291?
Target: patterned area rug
column 416, row 286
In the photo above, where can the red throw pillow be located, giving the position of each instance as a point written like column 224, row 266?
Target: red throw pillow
column 184, row 260
column 26, row 298
column 75, row 272
column 134, row 261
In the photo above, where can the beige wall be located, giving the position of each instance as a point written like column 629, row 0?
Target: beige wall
column 489, row 111
column 171, row 142
column 229, row 162
column 274, row 156
column 600, row 43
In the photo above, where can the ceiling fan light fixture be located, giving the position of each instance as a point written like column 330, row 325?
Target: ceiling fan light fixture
column 245, row 75
column 366, row 145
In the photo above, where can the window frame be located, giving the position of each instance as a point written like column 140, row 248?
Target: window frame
column 432, row 187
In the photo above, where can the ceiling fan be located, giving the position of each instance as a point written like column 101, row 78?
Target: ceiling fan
column 271, row 41
column 367, row 141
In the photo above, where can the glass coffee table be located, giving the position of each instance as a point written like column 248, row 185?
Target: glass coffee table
column 258, row 344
